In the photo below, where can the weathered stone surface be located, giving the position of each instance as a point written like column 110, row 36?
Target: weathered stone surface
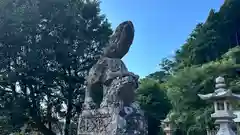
column 118, row 113
column 128, row 120
column 223, row 113
column 120, row 41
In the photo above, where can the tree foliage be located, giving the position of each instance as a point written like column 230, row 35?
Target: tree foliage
column 47, row 47
column 211, row 50
column 153, row 100
column 210, row 40
column 184, row 86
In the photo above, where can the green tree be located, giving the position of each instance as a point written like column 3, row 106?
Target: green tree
column 210, row 40
column 191, row 112
column 47, row 47
column 159, row 76
column 154, row 102
column 203, row 57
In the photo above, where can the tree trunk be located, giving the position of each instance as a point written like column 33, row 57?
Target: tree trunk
column 34, row 112
column 39, row 125
column 43, row 129
column 69, row 113
column 49, row 115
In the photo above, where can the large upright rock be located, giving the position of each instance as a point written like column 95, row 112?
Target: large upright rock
column 118, row 114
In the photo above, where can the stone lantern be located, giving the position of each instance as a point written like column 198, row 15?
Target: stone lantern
column 167, row 126
column 223, row 113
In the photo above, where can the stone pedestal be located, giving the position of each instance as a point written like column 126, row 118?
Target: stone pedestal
column 105, row 121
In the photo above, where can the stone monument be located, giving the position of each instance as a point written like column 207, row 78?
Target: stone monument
column 167, row 126
column 118, row 114
column 223, row 114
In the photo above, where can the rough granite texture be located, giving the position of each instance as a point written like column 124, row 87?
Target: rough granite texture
column 118, row 114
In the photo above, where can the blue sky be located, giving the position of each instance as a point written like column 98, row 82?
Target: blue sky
column 161, row 27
